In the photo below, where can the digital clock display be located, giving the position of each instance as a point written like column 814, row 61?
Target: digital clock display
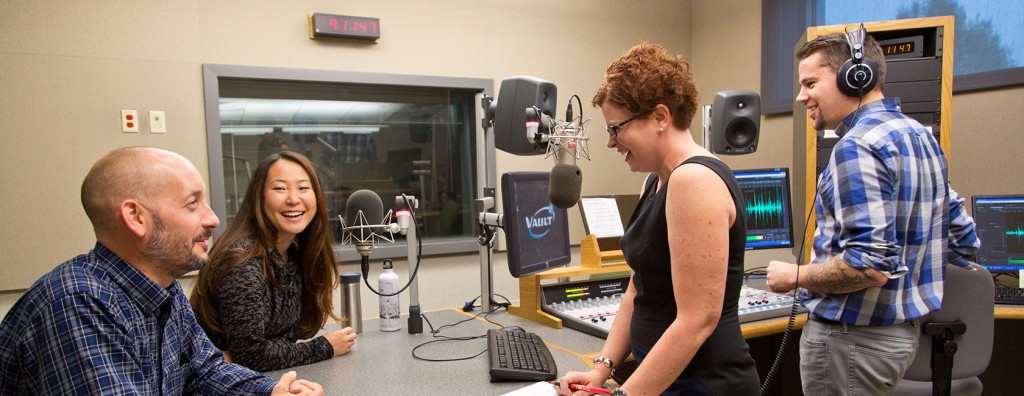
column 903, row 47
column 344, row 27
column 906, row 47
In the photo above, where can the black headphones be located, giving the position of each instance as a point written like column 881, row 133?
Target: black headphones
column 858, row 75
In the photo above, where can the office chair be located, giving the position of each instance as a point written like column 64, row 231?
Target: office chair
column 962, row 327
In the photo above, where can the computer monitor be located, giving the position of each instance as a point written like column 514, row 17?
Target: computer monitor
column 536, row 232
column 768, row 207
column 1000, row 226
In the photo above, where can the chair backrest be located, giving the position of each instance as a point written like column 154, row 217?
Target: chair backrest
column 968, row 296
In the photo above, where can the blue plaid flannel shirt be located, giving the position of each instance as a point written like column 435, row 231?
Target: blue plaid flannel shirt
column 95, row 325
column 885, row 202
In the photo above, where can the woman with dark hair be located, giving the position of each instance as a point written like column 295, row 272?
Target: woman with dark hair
column 684, row 242
column 271, row 273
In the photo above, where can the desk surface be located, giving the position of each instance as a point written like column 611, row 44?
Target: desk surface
column 383, row 362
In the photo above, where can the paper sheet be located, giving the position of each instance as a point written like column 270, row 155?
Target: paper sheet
column 602, row 217
column 542, row 388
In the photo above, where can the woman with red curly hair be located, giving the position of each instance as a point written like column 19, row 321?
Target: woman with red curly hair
column 684, row 242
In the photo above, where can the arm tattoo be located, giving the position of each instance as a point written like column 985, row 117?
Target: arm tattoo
column 836, row 277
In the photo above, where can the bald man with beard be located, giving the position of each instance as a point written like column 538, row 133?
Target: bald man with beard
column 114, row 320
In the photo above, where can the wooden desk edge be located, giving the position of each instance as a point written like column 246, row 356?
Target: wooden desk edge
column 768, row 327
column 772, row 326
column 1003, row 311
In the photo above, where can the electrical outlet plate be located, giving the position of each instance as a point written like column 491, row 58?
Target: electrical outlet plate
column 129, row 121
column 157, row 122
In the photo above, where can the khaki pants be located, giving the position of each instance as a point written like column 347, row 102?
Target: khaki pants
column 840, row 359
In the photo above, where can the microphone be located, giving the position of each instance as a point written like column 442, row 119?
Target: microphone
column 565, row 185
column 565, row 142
column 366, row 224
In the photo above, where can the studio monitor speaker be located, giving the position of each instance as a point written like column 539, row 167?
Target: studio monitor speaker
column 735, row 121
column 516, row 94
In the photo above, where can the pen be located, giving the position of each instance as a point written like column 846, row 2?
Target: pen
column 585, row 388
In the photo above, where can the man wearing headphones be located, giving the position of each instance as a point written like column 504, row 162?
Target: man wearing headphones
column 887, row 223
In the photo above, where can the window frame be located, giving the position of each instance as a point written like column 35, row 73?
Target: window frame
column 212, row 73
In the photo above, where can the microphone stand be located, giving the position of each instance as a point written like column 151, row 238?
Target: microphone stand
column 412, row 240
column 364, row 246
column 485, row 204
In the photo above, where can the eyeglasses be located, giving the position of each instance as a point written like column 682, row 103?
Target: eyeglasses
column 614, row 129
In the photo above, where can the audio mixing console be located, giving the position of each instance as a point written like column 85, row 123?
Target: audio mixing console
column 590, row 306
column 756, row 304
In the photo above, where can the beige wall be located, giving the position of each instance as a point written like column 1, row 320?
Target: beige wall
column 726, row 42
column 727, row 55
column 68, row 67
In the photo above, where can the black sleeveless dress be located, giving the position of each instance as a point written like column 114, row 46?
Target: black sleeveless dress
column 722, row 365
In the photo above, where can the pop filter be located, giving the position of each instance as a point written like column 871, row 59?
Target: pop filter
column 565, row 184
column 367, row 203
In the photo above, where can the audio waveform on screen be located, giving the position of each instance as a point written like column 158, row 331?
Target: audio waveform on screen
column 1014, row 232
column 1015, row 239
column 764, row 207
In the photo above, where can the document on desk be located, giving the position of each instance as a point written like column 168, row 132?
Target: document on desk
column 601, row 217
column 542, row 388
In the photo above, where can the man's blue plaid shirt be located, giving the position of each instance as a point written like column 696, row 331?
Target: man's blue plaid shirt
column 884, row 202
column 96, row 325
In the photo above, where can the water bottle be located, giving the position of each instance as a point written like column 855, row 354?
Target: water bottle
column 352, row 310
column 390, row 309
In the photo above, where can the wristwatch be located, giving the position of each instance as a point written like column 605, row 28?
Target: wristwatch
column 618, row 392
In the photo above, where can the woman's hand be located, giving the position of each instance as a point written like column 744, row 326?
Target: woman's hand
column 593, row 378
column 341, row 340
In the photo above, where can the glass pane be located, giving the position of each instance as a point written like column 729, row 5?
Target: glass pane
column 987, row 33
column 392, row 140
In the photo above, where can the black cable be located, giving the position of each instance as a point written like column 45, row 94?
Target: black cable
column 996, row 275
column 796, row 286
column 505, row 304
column 419, row 255
column 491, row 303
column 793, row 310
column 469, row 305
column 860, row 102
column 441, row 338
column 568, row 112
column 756, row 271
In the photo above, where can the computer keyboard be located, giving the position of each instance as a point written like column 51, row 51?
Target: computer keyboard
column 516, row 354
column 1010, row 295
